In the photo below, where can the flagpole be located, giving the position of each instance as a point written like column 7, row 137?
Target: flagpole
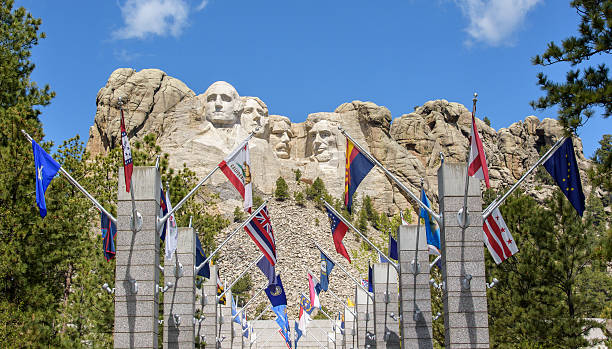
column 342, row 268
column 322, row 312
column 437, row 217
column 497, row 202
column 160, row 221
column 463, row 213
column 329, row 290
column 359, row 233
column 241, row 275
column 78, row 186
column 197, row 269
column 249, row 302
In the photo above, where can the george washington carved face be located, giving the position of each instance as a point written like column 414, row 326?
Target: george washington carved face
column 222, row 104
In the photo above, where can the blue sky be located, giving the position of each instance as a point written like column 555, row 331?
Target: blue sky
column 302, row 57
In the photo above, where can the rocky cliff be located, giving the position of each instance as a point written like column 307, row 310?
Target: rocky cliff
column 200, row 130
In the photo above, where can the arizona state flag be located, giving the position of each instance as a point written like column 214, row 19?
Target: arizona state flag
column 357, row 167
column 563, row 168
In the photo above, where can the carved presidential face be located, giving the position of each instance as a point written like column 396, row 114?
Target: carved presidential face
column 221, row 104
column 323, row 140
column 280, row 136
column 254, row 114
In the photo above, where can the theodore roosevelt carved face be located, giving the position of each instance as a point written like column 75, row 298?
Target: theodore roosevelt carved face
column 222, row 104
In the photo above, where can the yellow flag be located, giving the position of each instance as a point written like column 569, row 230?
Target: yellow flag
column 350, row 302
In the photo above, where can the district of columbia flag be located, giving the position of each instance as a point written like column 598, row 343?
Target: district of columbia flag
column 109, row 232
column 260, row 231
column 563, row 168
column 171, row 233
column 128, row 166
column 314, row 295
column 338, row 229
column 477, row 163
column 237, row 168
column 46, row 169
column 357, row 167
column 497, row 237
column 433, row 236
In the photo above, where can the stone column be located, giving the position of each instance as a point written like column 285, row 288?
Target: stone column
column 179, row 300
column 465, row 309
column 385, row 302
column 349, row 328
column 416, row 331
column 137, row 273
column 225, row 322
column 365, row 320
column 209, row 308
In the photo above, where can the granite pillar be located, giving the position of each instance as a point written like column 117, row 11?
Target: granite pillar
column 208, row 329
column 137, row 273
column 415, row 291
column 179, row 300
column 463, row 268
column 365, row 320
column 386, row 303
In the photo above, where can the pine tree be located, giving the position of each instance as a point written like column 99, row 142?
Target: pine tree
column 583, row 91
column 282, row 190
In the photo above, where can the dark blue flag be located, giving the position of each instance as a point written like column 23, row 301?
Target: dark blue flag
column 298, row 334
column 46, row 169
column 276, row 293
column 200, row 258
column 326, row 267
column 563, row 168
column 392, row 248
column 370, row 278
column 109, row 232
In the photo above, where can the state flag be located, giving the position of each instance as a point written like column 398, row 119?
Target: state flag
column 433, row 236
column 477, row 163
column 563, row 168
column 393, row 253
column 326, row 267
column 357, row 167
column 163, row 210
column 268, row 270
column 338, row 229
column 109, row 232
column 172, row 231
column 200, row 258
column 220, row 290
column 128, row 166
column 306, row 305
column 46, row 169
column 370, row 278
column 314, row 294
column 276, row 293
column 237, row 168
column 498, row 238
column 260, row 231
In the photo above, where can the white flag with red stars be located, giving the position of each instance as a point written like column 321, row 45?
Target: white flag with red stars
column 497, row 237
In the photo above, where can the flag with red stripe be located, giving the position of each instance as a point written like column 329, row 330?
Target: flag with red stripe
column 128, row 166
column 498, row 238
column 260, row 230
column 477, row 164
column 237, row 168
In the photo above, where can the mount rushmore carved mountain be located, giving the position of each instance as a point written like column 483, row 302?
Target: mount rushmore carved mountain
column 200, row 130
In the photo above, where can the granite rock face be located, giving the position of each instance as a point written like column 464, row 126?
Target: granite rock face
column 201, row 130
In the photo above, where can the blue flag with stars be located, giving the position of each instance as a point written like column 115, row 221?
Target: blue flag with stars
column 563, row 168
column 46, row 169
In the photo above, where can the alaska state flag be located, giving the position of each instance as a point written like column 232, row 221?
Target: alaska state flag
column 200, row 258
column 338, row 229
column 46, row 169
column 357, row 167
column 109, row 232
column 563, row 168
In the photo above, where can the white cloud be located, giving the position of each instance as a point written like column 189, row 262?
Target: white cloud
column 124, row 55
column 495, row 21
column 143, row 18
column 202, row 5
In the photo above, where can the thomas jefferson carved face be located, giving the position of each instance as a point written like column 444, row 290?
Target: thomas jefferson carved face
column 280, row 136
column 255, row 113
column 222, row 104
column 323, row 140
